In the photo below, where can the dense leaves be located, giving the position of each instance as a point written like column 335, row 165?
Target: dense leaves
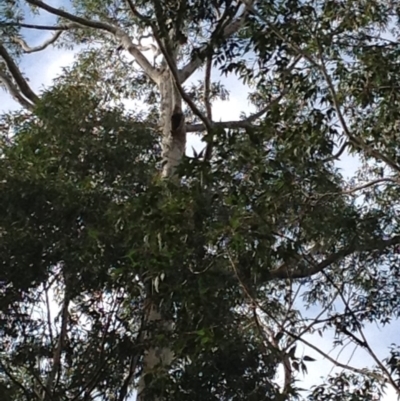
column 234, row 250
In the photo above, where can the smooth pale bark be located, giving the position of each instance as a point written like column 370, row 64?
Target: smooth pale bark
column 173, row 134
column 173, row 148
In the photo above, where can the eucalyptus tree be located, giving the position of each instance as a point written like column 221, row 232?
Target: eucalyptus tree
column 182, row 276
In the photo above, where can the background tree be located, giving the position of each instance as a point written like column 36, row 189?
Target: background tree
column 182, row 276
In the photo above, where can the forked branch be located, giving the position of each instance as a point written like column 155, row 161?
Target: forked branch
column 118, row 33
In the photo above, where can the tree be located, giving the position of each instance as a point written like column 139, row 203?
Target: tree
column 179, row 275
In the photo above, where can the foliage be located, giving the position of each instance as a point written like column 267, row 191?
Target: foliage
column 235, row 249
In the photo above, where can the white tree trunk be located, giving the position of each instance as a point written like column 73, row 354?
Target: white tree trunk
column 173, row 148
column 173, row 135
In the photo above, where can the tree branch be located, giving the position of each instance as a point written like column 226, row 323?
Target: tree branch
column 338, row 154
column 134, row 11
column 246, row 123
column 119, row 34
column 39, row 27
column 14, row 92
column 79, row 20
column 133, row 363
column 16, row 74
column 207, row 87
column 284, row 271
column 28, row 49
column 328, row 357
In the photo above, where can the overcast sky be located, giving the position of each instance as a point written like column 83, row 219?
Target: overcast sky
column 42, row 67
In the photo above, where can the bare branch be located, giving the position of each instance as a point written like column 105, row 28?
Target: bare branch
column 16, row 74
column 28, row 49
column 328, row 357
column 207, row 87
column 246, row 123
column 135, row 12
column 48, row 314
column 338, row 154
column 372, row 183
column 220, row 124
column 119, row 34
column 79, row 20
column 39, row 27
column 285, row 271
column 14, row 92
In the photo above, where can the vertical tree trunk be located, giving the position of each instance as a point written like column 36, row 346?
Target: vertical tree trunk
column 173, row 149
column 173, row 125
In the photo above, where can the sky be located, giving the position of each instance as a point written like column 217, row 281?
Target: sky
column 43, row 67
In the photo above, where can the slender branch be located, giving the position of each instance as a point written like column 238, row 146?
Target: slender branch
column 371, row 183
column 328, row 357
column 17, row 75
column 351, row 191
column 119, row 34
column 13, row 90
column 338, row 154
column 134, row 11
column 28, row 49
column 207, row 103
column 284, row 271
column 207, row 87
column 39, row 27
column 71, row 17
column 48, row 315
column 246, row 123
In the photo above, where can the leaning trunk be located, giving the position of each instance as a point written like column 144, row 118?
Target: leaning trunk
column 173, row 148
